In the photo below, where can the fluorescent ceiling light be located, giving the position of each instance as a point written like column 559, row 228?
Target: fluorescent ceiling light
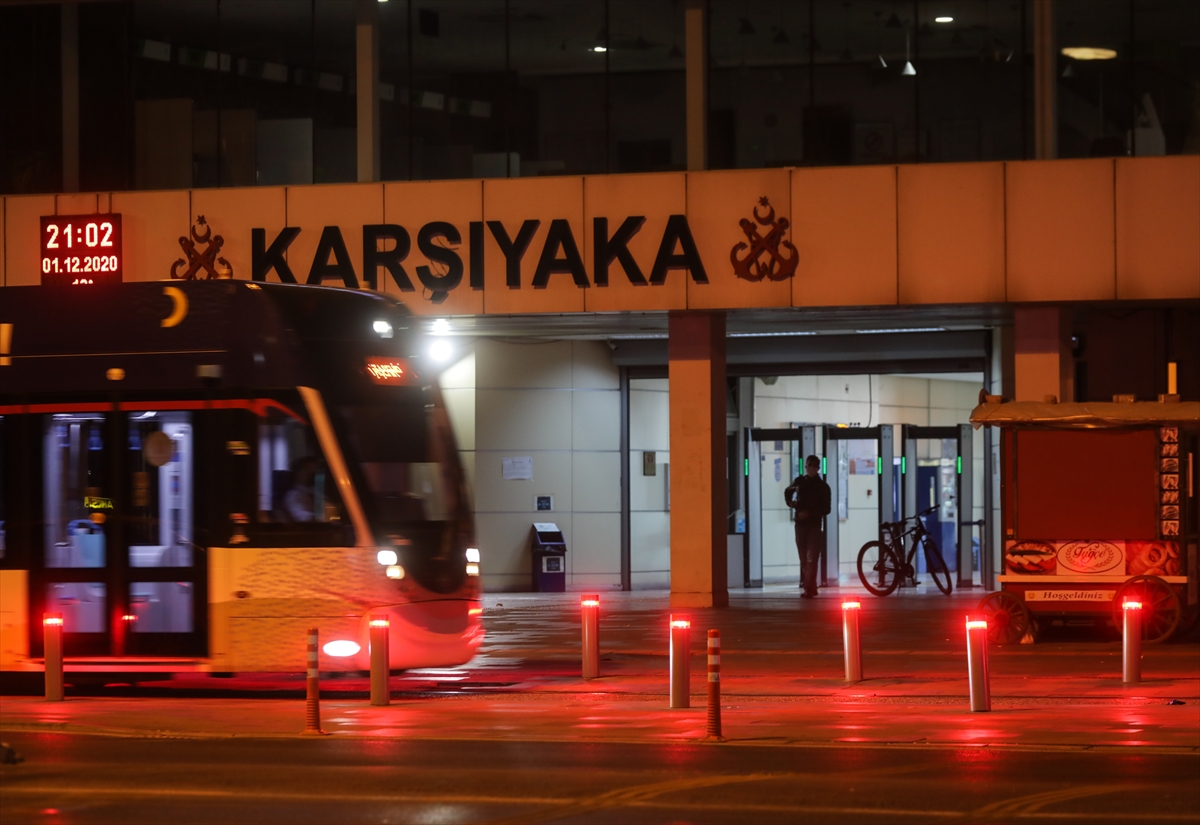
column 908, row 69
column 768, row 334
column 599, row 48
column 906, row 329
column 943, row 20
column 441, row 327
column 1089, row 53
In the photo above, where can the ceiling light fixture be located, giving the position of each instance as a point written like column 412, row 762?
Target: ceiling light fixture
column 943, row 20
column 1089, row 53
column 882, row 62
column 599, row 49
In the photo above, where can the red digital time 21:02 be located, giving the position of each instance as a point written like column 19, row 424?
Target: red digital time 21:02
column 81, row 250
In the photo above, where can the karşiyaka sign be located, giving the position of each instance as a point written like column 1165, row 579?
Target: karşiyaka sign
column 762, row 255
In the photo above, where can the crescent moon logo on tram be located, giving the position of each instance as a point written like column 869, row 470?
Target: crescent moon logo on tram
column 180, row 308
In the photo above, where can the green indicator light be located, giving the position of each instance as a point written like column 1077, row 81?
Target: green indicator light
column 823, row 465
column 747, row 468
column 903, row 464
column 878, row 465
column 960, row 465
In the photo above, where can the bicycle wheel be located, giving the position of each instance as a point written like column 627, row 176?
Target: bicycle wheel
column 936, row 565
column 878, row 568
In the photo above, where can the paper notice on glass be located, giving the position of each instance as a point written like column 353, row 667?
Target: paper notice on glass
column 518, row 468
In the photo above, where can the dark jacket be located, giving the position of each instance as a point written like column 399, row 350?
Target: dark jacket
column 809, row 496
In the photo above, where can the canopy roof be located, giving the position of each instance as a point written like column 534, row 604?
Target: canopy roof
column 1089, row 415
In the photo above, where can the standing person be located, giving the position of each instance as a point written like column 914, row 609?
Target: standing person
column 809, row 496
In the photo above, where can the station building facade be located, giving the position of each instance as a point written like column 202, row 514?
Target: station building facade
column 606, row 338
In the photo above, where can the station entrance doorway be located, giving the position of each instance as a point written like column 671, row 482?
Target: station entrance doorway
column 869, row 484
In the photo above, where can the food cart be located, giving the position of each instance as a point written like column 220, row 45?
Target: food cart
column 1098, row 505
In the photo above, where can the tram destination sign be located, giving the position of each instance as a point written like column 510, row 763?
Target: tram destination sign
column 81, row 250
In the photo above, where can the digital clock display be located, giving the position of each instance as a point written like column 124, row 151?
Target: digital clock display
column 81, row 250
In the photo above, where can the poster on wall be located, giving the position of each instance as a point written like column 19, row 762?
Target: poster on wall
column 1092, row 558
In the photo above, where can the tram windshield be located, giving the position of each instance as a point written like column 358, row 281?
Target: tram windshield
column 405, row 452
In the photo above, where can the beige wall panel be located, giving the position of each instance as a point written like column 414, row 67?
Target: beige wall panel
column 152, row 224
column 527, row 366
column 770, row 412
column 596, row 420
column 777, row 390
column 650, row 542
column 802, row 410
column 903, row 415
column 232, row 213
column 595, row 482
column 413, row 205
column 616, row 197
column 77, row 203
column 717, row 203
column 951, row 232
column 22, row 227
column 1060, row 230
column 460, row 406
column 522, row 420
column 592, row 366
column 845, row 230
column 1158, row 227
column 513, row 202
column 348, row 206
column 596, row 551
column 551, row 477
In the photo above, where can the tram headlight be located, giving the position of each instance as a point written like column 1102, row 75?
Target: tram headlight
column 440, row 351
column 386, row 557
column 473, row 554
column 382, row 328
column 395, row 571
column 472, row 569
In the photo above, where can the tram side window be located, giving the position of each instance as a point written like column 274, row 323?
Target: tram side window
column 298, row 498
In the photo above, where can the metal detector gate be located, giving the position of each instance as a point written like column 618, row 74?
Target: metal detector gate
column 813, row 440
column 912, row 502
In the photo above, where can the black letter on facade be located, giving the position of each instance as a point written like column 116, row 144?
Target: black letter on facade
column 374, row 257
column 331, row 241
column 476, row 276
column 263, row 260
column 560, row 236
column 677, row 231
column 513, row 250
column 606, row 249
column 439, row 285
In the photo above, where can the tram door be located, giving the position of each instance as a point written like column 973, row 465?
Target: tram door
column 119, row 555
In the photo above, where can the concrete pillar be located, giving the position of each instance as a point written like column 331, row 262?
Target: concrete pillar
column 696, row 66
column 1042, row 354
column 367, row 82
column 69, row 52
column 696, row 350
column 1045, row 81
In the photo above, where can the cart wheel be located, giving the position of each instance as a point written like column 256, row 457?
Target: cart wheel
column 1007, row 617
column 1161, row 610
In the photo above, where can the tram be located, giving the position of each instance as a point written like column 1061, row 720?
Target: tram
column 192, row 473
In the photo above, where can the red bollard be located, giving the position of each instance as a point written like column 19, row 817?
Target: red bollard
column 850, row 641
column 312, row 702
column 1131, row 644
column 714, row 687
column 381, row 692
column 590, row 620
column 681, row 638
column 977, row 665
column 52, row 630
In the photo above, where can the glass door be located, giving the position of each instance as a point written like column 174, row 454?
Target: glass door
column 119, row 551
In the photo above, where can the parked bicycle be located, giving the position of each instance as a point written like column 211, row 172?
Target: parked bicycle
column 883, row 565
